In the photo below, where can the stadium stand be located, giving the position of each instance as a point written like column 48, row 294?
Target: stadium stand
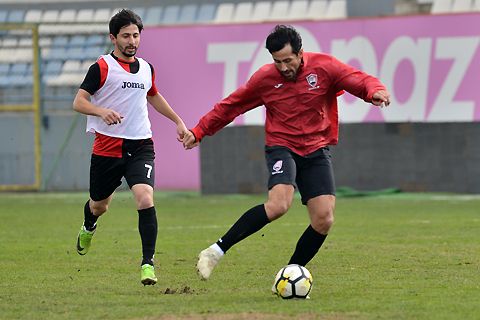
column 261, row 11
column 188, row 14
column 224, row 13
column 461, row 5
column 84, row 15
column 102, row 15
column 206, row 13
column 50, row 16
column 138, row 10
column 3, row 16
column 67, row 15
column 4, row 68
column 337, row 9
column 156, row 13
column 171, row 15
column 280, row 10
column 153, row 16
column 317, row 9
column 33, row 16
column 298, row 10
column 71, row 35
column 441, row 6
column 243, row 12
column 16, row 16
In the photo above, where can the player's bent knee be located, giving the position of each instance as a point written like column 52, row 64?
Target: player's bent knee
column 276, row 210
column 144, row 203
column 323, row 224
column 328, row 221
column 99, row 208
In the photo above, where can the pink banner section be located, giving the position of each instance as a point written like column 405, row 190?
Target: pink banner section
column 430, row 65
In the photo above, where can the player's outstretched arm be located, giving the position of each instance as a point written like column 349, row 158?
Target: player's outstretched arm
column 161, row 105
column 82, row 105
column 380, row 98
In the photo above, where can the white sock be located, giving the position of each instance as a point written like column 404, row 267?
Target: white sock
column 217, row 248
column 90, row 232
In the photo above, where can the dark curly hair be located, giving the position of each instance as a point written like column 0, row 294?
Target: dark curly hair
column 282, row 35
column 124, row 18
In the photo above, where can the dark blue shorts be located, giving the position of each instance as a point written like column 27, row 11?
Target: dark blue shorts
column 136, row 165
column 312, row 174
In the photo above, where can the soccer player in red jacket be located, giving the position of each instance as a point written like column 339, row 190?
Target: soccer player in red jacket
column 299, row 91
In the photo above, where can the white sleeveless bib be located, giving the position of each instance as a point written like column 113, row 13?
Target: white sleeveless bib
column 126, row 93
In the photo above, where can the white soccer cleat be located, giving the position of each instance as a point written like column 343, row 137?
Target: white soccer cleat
column 207, row 260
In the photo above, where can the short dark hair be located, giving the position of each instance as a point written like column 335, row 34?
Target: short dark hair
column 124, row 18
column 282, row 35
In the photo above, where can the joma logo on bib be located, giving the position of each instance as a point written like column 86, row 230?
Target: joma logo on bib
column 133, row 85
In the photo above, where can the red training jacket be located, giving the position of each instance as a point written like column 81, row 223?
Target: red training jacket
column 302, row 114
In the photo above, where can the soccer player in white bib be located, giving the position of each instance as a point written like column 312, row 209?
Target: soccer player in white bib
column 119, row 85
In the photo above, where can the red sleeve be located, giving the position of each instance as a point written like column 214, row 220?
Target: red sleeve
column 240, row 101
column 356, row 82
column 103, row 72
column 153, row 90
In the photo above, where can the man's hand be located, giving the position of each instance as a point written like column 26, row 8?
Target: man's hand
column 181, row 131
column 110, row 116
column 189, row 141
column 380, row 98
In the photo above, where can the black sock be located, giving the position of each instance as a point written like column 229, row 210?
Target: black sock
column 251, row 221
column 90, row 219
column 147, row 226
column 307, row 246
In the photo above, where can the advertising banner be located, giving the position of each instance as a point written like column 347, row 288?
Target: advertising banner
column 430, row 65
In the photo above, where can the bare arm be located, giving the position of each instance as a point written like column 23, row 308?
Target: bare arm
column 161, row 105
column 82, row 105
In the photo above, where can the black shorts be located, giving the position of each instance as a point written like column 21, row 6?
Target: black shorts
column 136, row 165
column 312, row 174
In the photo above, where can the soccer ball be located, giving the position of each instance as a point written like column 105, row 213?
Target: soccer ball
column 293, row 281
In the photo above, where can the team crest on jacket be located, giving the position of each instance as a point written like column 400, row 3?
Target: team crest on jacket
column 277, row 167
column 312, row 80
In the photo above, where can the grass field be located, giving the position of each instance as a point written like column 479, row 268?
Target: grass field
column 403, row 256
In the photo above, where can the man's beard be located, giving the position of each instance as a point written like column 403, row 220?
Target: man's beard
column 127, row 54
column 292, row 75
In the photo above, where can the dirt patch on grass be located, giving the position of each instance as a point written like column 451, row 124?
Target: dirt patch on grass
column 185, row 290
